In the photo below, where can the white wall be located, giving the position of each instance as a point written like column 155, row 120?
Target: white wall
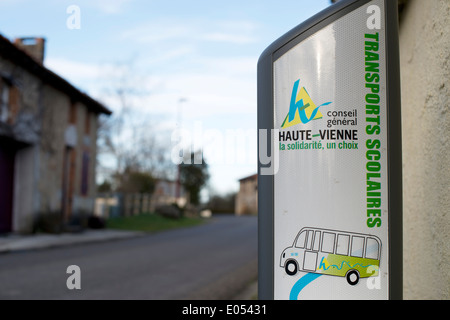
column 425, row 58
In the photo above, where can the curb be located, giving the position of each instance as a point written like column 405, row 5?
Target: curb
column 16, row 243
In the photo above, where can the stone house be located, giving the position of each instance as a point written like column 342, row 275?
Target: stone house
column 247, row 197
column 48, row 134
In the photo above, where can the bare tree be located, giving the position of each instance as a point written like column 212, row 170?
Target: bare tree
column 129, row 140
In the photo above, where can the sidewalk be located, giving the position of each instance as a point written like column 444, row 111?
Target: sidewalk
column 15, row 242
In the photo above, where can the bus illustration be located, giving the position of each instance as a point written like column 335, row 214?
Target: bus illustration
column 332, row 252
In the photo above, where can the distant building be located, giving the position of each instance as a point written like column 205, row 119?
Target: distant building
column 247, row 197
column 166, row 192
column 48, row 134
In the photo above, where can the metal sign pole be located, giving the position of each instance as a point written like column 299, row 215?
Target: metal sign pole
column 330, row 161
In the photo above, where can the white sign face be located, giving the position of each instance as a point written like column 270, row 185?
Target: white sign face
column 330, row 191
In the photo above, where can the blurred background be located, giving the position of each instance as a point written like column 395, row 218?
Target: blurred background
column 122, row 119
column 132, row 120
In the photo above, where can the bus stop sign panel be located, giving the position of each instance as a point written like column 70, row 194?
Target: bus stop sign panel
column 332, row 205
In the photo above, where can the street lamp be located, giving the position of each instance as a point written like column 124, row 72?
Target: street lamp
column 179, row 114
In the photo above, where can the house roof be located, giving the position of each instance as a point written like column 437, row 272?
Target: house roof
column 19, row 57
column 253, row 176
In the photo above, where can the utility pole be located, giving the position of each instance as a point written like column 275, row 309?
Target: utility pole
column 179, row 118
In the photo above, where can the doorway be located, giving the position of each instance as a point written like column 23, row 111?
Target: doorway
column 7, row 157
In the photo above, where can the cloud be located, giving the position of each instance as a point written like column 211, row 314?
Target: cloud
column 98, row 79
column 234, row 32
column 160, row 56
column 110, row 6
column 70, row 69
column 228, row 37
column 208, row 91
column 163, row 30
column 244, row 66
column 157, row 31
column 212, row 86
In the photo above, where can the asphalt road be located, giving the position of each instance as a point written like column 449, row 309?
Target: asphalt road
column 212, row 261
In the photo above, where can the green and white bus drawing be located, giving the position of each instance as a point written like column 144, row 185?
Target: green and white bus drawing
column 332, row 252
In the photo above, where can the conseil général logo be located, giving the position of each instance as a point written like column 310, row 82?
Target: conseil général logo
column 302, row 108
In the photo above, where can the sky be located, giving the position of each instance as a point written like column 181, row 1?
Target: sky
column 193, row 64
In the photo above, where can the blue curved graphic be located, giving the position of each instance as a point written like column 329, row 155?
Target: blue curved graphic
column 302, row 283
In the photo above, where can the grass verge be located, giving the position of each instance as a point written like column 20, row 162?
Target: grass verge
column 147, row 222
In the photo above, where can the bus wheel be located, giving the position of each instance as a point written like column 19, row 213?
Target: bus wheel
column 291, row 267
column 352, row 277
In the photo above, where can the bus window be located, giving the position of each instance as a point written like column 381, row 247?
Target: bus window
column 342, row 244
column 372, row 249
column 301, row 240
column 357, row 246
column 328, row 242
column 316, row 241
column 309, row 241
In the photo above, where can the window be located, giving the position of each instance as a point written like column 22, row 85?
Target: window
column 342, row 244
column 328, row 242
column 301, row 240
column 4, row 101
column 9, row 101
column 372, row 249
column 87, row 123
column 357, row 246
column 316, row 241
column 85, row 174
column 309, row 241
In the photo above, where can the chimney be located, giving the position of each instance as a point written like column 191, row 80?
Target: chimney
column 34, row 47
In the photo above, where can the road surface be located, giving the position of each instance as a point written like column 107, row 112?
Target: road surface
column 212, row 261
